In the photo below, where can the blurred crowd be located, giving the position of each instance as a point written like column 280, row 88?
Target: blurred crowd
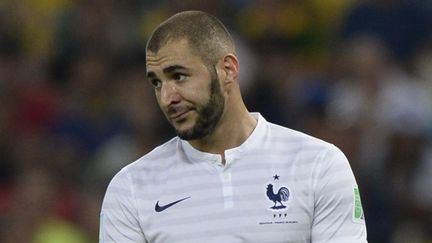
column 75, row 106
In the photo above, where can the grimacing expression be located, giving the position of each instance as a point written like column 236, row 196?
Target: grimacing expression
column 188, row 91
column 209, row 114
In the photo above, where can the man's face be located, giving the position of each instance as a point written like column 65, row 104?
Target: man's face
column 188, row 92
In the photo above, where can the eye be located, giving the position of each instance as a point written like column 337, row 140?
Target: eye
column 179, row 76
column 156, row 83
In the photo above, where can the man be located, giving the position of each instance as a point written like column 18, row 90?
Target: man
column 229, row 176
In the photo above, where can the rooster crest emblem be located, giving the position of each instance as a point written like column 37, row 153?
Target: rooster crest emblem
column 282, row 195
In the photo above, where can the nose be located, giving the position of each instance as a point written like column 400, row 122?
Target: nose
column 169, row 94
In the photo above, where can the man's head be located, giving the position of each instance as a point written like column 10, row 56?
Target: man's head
column 189, row 57
column 207, row 36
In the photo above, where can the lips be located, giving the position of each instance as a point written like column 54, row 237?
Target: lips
column 178, row 114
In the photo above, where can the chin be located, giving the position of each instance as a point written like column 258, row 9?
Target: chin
column 184, row 131
column 186, row 135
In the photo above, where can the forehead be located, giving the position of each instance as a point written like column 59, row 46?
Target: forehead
column 176, row 52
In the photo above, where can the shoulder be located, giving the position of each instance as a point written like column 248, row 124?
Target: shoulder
column 156, row 160
column 296, row 140
column 157, row 157
column 308, row 152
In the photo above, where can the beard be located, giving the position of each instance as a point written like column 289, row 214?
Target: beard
column 209, row 114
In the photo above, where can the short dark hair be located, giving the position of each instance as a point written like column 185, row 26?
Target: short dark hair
column 207, row 37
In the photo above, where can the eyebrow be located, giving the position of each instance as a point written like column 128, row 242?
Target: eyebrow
column 169, row 69
column 173, row 68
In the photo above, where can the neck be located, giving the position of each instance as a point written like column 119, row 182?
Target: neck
column 234, row 127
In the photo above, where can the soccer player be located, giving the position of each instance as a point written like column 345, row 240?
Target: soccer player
column 229, row 175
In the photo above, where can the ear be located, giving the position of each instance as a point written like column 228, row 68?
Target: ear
column 230, row 67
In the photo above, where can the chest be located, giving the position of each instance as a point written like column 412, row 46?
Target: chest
column 264, row 204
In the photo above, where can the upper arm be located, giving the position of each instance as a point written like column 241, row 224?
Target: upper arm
column 337, row 209
column 119, row 218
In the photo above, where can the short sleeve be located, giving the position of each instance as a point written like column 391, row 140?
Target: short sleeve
column 119, row 219
column 338, row 214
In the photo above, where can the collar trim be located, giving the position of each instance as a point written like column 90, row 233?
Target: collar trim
column 251, row 142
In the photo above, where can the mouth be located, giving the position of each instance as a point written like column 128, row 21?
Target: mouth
column 179, row 115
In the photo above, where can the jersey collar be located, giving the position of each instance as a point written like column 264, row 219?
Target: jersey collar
column 253, row 141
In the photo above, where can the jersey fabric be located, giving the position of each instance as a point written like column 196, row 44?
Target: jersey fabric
column 279, row 186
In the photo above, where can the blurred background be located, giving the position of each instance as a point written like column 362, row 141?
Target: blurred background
column 75, row 106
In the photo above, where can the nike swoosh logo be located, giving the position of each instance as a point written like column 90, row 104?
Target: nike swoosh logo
column 159, row 208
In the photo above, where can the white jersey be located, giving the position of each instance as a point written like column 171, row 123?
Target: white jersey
column 279, row 186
